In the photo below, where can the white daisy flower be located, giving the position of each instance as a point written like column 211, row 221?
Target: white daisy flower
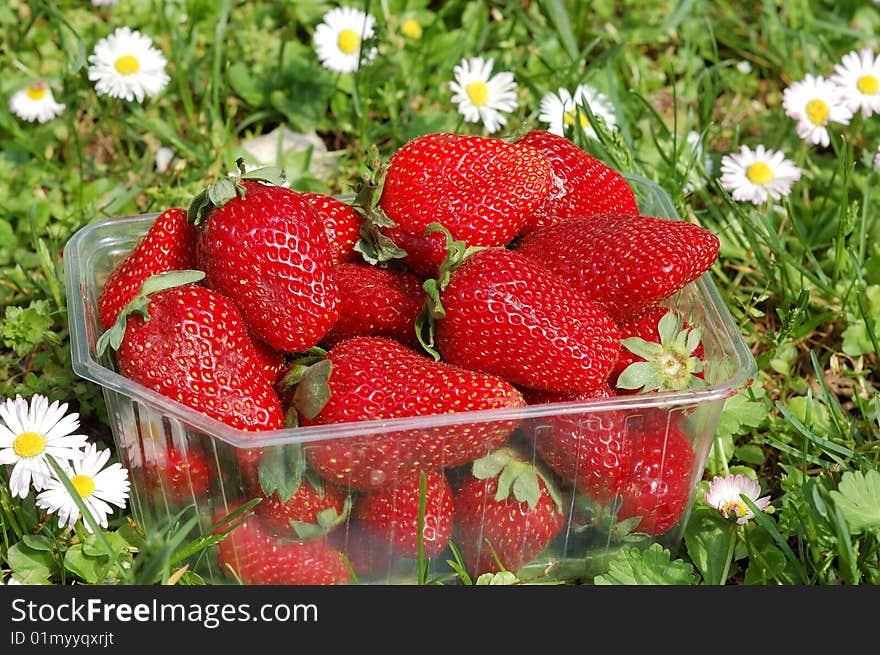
column 756, row 175
column 99, row 488
column 35, row 102
column 481, row 96
column 31, row 431
column 814, row 102
column 126, row 65
column 725, row 493
column 562, row 110
column 104, row 3
column 339, row 37
column 858, row 76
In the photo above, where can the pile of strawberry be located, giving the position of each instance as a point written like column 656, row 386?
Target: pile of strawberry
column 470, row 273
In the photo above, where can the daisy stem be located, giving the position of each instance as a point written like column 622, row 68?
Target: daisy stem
column 730, row 549
column 7, row 510
column 83, row 510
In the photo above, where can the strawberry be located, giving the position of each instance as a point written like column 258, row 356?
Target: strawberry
column 264, row 247
column 314, row 509
column 341, row 223
column 482, row 189
column 254, row 556
column 190, row 343
column 368, row 554
column 583, row 185
column 169, row 244
column 506, row 513
column 271, row 361
column 378, row 302
column 660, row 479
column 392, row 515
column 624, row 262
column 588, row 449
column 667, row 354
column 506, row 315
column 180, row 476
column 375, row 378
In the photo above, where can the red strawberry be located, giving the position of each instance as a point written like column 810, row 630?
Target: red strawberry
column 482, row 189
column 376, row 302
column 181, row 477
column 314, row 509
column 584, row 186
column 271, row 361
column 505, row 510
column 254, row 556
column 374, row 378
column 624, row 262
column 341, row 223
column 392, row 515
column 589, row 449
column 669, row 353
column 660, row 481
column 506, row 315
column 189, row 343
column 368, row 555
column 169, row 244
column 265, row 248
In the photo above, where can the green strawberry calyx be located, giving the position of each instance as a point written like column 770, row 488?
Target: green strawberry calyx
column 140, row 304
column 307, row 384
column 374, row 245
column 225, row 189
column 457, row 252
column 517, row 477
column 669, row 365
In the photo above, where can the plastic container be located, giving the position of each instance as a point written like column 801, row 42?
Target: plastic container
column 146, row 425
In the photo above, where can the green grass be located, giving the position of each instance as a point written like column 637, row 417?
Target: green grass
column 801, row 276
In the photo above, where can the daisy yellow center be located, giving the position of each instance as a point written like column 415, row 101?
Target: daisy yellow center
column 348, row 41
column 127, row 65
column 29, row 444
column 83, row 484
column 573, row 117
column 735, row 508
column 759, row 173
column 868, row 85
column 36, row 92
column 411, row 29
column 817, row 111
column 478, row 92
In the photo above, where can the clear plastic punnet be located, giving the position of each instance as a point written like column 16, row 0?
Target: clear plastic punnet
column 155, row 438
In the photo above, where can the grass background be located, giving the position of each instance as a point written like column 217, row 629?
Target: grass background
column 801, row 277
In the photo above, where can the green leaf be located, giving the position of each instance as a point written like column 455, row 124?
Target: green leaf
column 653, row 566
column 281, row 470
column 30, row 566
column 25, row 328
column 86, row 567
column 39, row 542
column 858, row 497
column 707, row 537
column 739, row 414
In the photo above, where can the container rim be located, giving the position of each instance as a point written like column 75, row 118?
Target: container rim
column 87, row 366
